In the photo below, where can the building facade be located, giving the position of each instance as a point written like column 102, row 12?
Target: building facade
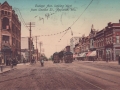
column 10, row 32
column 73, row 42
column 103, row 44
column 112, row 41
column 100, row 45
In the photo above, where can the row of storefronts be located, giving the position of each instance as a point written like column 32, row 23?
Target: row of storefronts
column 105, row 44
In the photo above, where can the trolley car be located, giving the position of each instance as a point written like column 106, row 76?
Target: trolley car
column 56, row 58
column 68, row 57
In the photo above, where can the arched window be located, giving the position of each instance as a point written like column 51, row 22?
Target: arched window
column 5, row 23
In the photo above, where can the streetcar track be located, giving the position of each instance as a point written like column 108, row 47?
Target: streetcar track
column 104, row 73
column 16, row 78
column 85, row 80
column 100, row 71
column 106, row 67
column 99, row 76
column 63, row 70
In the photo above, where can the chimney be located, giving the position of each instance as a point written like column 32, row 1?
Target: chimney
column 109, row 24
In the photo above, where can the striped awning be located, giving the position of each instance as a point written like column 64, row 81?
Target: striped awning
column 93, row 53
column 88, row 54
column 83, row 54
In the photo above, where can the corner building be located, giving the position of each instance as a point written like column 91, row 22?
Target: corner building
column 10, row 33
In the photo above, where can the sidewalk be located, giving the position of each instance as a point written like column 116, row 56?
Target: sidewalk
column 109, row 62
column 8, row 68
column 5, row 68
column 102, row 62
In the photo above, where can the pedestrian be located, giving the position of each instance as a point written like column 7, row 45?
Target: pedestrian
column 42, row 62
column 119, row 60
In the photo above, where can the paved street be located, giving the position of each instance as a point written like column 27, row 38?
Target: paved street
column 79, row 75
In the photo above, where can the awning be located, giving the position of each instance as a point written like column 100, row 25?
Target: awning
column 83, row 55
column 88, row 54
column 93, row 53
column 77, row 56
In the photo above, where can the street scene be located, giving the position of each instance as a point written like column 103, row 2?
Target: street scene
column 59, row 45
column 79, row 75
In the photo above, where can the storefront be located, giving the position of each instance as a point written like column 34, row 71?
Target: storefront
column 109, row 55
column 100, row 54
column 7, row 53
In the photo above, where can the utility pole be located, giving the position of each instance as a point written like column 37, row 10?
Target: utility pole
column 40, row 49
column 36, row 48
column 30, row 40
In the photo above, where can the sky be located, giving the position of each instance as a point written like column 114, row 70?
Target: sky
column 51, row 24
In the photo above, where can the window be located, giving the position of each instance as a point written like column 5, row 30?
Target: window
column 2, row 12
column 5, row 39
column 117, row 39
column 5, row 12
column 8, row 13
column 106, row 41
column 5, row 23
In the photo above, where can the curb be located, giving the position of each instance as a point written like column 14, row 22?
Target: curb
column 7, row 70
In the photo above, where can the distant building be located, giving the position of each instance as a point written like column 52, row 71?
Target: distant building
column 99, row 44
column 92, row 38
column 24, row 55
column 26, row 43
column 10, row 32
column 73, row 42
column 35, row 54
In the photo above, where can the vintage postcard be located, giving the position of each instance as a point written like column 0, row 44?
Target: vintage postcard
column 59, row 45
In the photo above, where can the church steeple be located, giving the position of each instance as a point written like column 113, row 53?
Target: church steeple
column 92, row 28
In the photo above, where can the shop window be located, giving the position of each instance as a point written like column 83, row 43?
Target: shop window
column 5, row 23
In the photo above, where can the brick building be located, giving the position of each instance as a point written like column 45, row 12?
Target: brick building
column 100, row 44
column 10, row 32
column 112, row 41
column 73, row 42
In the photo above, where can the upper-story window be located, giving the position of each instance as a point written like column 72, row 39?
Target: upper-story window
column 106, row 40
column 2, row 12
column 5, row 23
column 110, row 39
column 117, row 39
column 8, row 13
column 5, row 12
column 5, row 39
